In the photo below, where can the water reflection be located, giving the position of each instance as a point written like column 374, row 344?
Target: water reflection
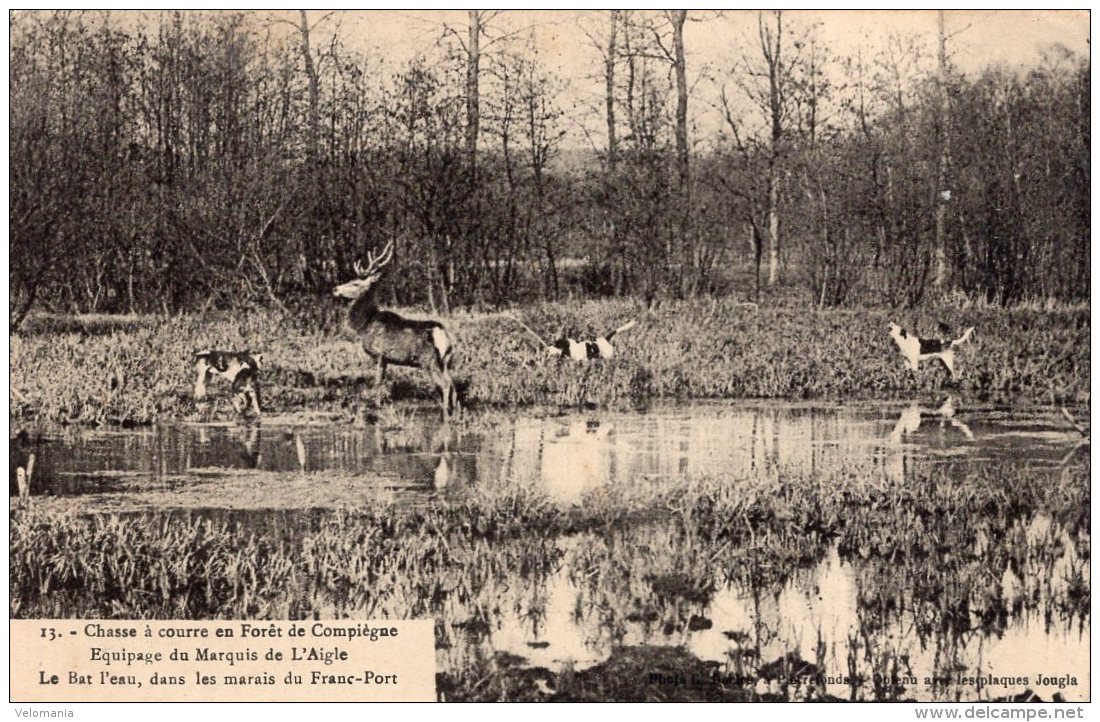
column 578, row 616
column 970, row 596
column 568, row 457
column 910, row 420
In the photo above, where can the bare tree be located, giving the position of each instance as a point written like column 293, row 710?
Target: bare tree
column 675, row 56
column 942, row 194
column 676, row 19
column 772, row 48
column 473, row 99
column 479, row 23
column 314, row 87
column 610, row 60
column 768, row 81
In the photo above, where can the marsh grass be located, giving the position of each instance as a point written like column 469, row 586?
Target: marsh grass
column 135, row 370
column 953, row 551
column 151, row 562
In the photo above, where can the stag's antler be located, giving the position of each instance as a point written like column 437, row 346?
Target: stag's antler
column 374, row 263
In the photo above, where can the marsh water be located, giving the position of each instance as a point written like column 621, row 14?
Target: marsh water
column 284, row 470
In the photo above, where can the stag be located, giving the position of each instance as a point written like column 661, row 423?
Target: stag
column 393, row 339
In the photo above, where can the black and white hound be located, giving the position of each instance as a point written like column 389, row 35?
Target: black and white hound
column 587, row 350
column 566, row 347
column 916, row 349
column 240, row 368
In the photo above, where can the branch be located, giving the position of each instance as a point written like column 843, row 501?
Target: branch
column 959, row 32
column 1073, row 422
column 324, row 17
column 668, row 56
column 506, row 36
column 515, row 318
column 488, row 17
column 448, row 30
column 267, row 225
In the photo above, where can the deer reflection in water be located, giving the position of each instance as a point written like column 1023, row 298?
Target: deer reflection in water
column 423, row 454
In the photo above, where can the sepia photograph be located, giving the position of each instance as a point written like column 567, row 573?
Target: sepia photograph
column 549, row 355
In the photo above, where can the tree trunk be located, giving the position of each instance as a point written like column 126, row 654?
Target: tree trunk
column 687, row 256
column 678, row 18
column 609, row 77
column 773, row 226
column 939, row 258
column 314, row 89
column 775, row 102
column 473, row 113
column 614, row 251
column 757, row 256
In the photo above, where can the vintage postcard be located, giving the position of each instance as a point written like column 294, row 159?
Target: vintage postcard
column 523, row 356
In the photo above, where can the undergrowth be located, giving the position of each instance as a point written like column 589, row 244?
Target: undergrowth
column 138, row 370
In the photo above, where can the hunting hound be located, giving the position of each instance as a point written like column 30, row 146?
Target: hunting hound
column 240, row 368
column 566, row 347
column 916, row 349
column 587, row 350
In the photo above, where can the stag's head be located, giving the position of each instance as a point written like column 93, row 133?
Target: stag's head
column 365, row 276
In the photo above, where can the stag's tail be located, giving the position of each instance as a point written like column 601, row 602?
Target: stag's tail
column 444, row 356
column 625, row 327
column 444, row 348
column 964, row 338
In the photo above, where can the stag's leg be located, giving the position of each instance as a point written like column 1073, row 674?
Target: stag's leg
column 256, row 398
column 21, row 484
column 437, row 378
column 452, row 392
column 381, row 372
column 450, row 398
column 442, row 379
column 204, row 376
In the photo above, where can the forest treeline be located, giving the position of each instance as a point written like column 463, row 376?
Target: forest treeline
column 201, row 160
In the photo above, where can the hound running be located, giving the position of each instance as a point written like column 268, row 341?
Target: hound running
column 565, row 347
column 916, row 349
column 587, row 350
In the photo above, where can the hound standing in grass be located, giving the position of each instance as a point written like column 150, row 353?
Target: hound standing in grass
column 916, row 349
column 586, row 350
column 239, row 368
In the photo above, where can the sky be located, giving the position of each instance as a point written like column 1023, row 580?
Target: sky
column 1014, row 37
column 714, row 41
